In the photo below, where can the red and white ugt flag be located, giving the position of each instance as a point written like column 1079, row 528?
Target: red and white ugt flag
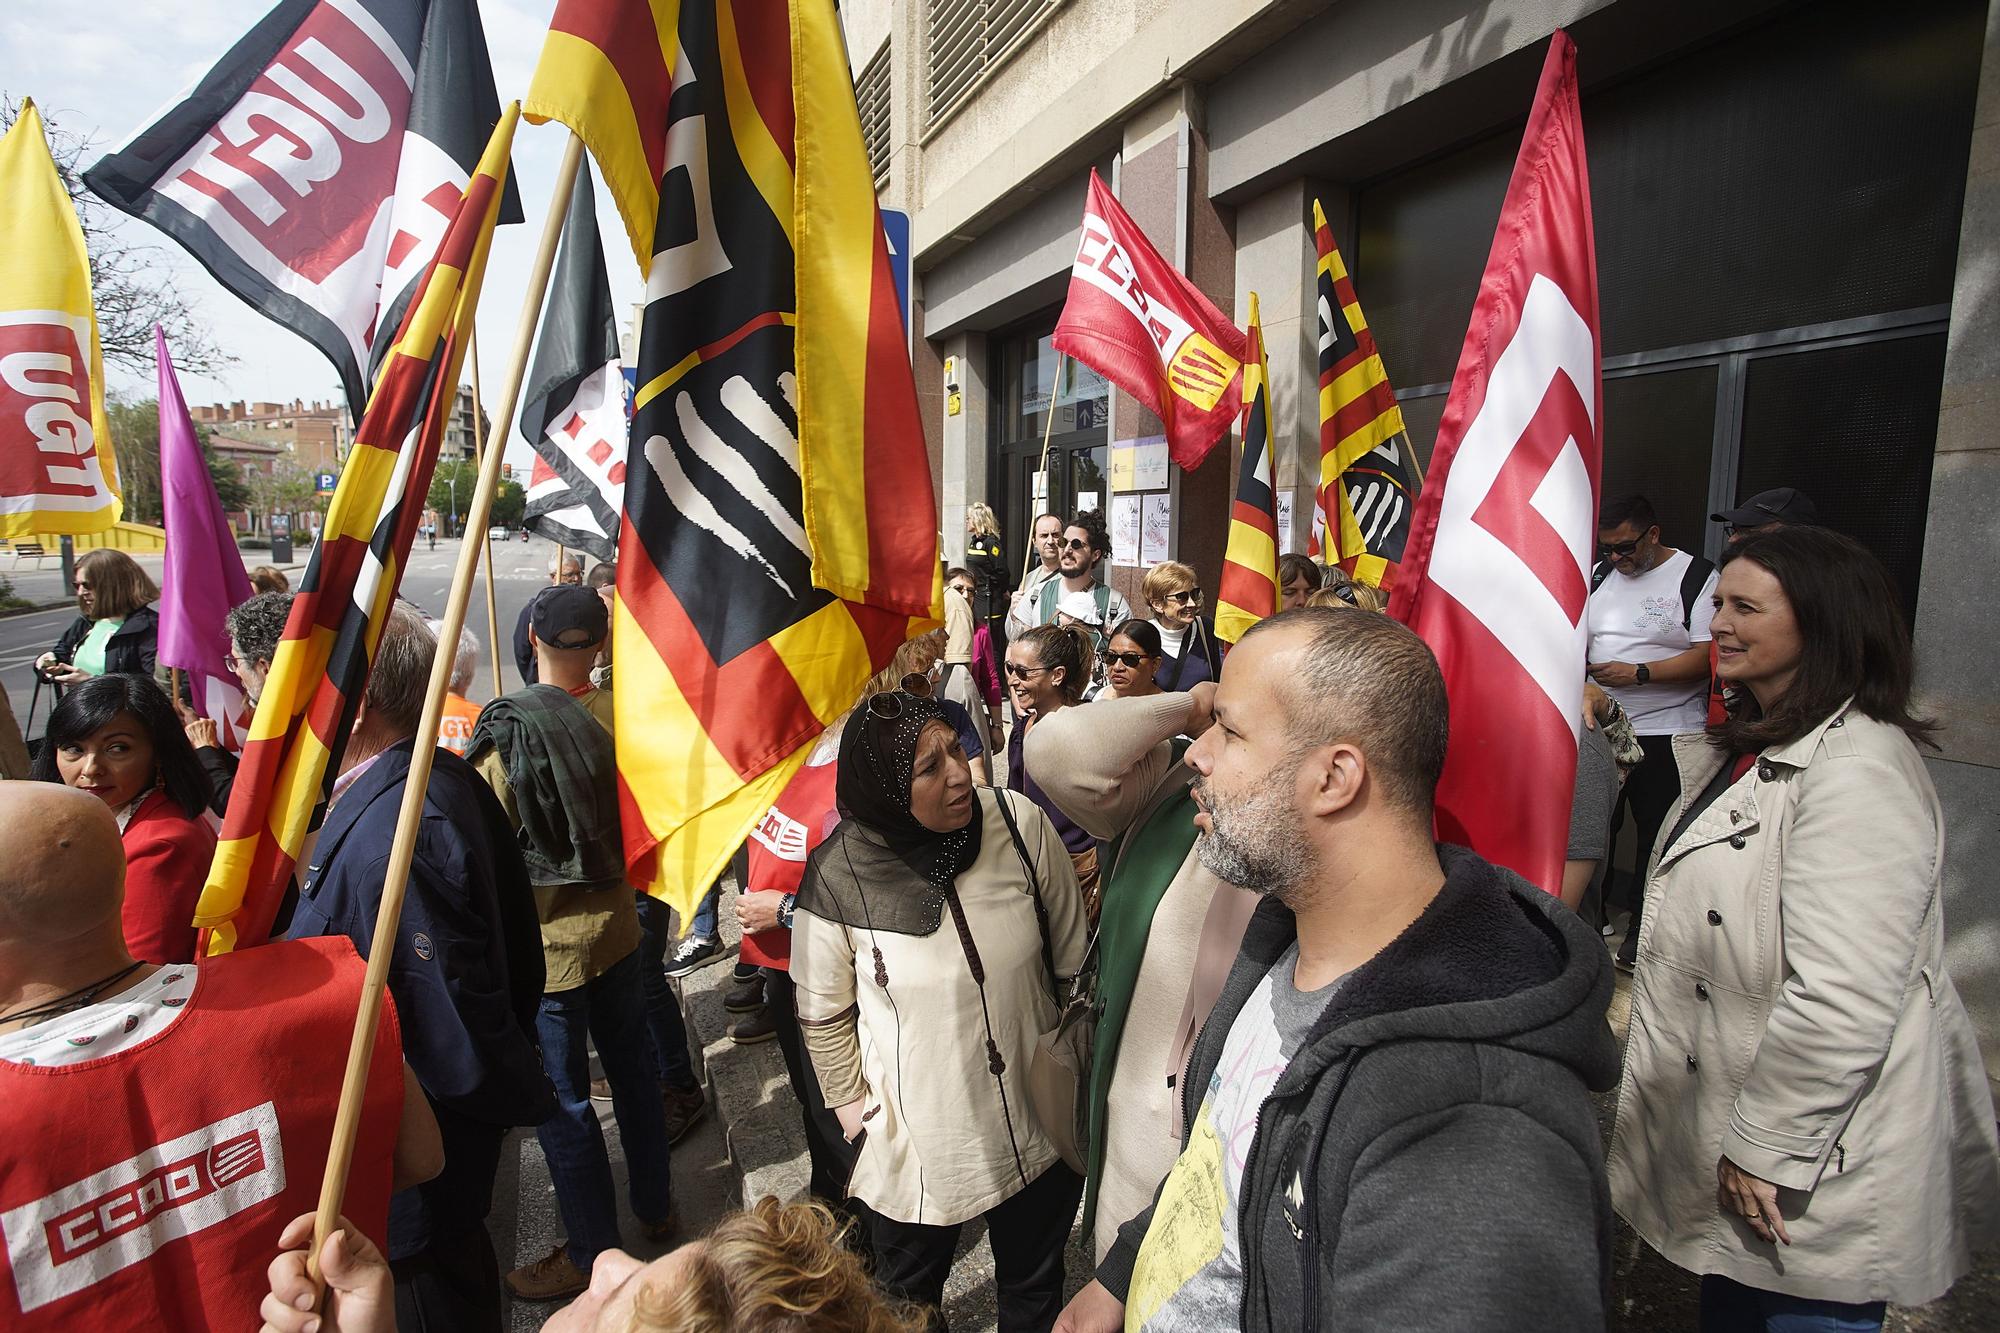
column 1134, row 319
column 315, row 168
column 1497, row 568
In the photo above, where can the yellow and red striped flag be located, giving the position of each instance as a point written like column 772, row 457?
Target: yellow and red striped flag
column 780, row 529
column 57, row 471
column 1367, row 476
column 321, row 669
column 1249, row 588
column 606, row 71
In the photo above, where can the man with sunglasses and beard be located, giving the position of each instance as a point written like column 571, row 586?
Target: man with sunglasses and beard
column 1085, row 543
column 1648, row 619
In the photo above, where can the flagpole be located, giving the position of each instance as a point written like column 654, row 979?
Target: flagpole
column 485, row 532
column 1055, row 392
column 396, row 877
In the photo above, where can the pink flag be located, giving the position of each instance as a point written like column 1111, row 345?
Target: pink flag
column 204, row 574
column 1497, row 567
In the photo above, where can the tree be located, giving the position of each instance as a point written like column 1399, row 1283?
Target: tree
column 288, row 489
column 135, row 442
column 451, row 490
column 510, row 504
column 129, row 283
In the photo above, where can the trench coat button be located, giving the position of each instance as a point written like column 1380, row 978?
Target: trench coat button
column 1738, row 841
column 1714, row 917
column 1693, row 1063
column 1766, row 771
column 1736, row 816
column 1701, row 990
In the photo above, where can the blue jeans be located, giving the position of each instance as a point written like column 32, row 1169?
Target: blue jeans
column 664, row 1022
column 610, row 1012
column 703, row 926
column 1727, row 1306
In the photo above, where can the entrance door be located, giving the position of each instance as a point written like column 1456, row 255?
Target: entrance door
column 1033, row 383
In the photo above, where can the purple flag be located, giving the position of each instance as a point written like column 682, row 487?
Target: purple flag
column 204, row 574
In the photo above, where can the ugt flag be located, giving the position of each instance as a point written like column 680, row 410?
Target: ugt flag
column 57, row 473
column 1134, row 319
column 1497, row 568
column 315, row 168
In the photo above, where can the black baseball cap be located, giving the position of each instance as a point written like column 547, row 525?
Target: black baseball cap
column 566, row 616
column 1786, row 504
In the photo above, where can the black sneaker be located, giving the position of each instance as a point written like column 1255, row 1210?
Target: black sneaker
column 753, row 1028
column 693, row 952
column 746, row 996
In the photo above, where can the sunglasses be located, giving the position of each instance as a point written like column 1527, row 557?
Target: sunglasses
column 1015, row 671
column 1192, row 597
column 1076, row 544
column 1133, row 660
column 1618, row 550
column 1344, row 591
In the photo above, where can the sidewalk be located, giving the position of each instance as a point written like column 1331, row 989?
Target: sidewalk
column 41, row 584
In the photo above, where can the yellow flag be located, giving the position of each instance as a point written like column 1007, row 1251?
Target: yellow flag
column 57, row 472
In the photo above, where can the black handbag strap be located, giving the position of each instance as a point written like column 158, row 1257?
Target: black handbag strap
column 1034, row 891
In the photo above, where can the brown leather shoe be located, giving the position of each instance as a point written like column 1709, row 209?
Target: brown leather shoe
column 685, row 1108
column 550, row 1278
column 600, row 1090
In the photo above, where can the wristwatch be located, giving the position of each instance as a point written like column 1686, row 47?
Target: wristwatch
column 1642, row 673
column 785, row 906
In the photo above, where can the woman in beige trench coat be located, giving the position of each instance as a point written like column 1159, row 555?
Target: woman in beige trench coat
column 1803, row 1118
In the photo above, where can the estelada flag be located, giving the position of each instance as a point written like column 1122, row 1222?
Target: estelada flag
column 1367, row 479
column 57, row 471
column 315, row 168
column 317, row 679
column 780, row 535
column 606, row 71
column 1497, row 569
column 574, row 417
column 1249, row 589
column 1134, row 319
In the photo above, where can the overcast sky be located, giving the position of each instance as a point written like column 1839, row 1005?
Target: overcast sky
column 107, row 68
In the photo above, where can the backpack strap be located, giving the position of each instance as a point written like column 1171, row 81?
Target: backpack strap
column 1034, row 890
column 1697, row 574
column 1600, row 572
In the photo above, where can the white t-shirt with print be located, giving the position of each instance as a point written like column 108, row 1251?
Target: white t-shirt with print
column 1637, row 618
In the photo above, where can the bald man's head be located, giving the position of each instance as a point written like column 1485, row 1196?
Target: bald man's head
column 62, row 865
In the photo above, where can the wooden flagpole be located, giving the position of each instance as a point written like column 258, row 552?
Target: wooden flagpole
column 1049, row 430
column 396, row 878
column 485, row 530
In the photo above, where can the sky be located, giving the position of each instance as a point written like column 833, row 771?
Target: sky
column 108, row 68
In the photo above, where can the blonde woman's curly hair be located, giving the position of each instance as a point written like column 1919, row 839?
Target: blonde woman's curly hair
column 772, row 1268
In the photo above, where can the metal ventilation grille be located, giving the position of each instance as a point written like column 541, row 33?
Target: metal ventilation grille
column 871, row 95
column 968, row 36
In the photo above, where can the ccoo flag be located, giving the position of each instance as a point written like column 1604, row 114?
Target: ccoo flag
column 575, row 417
column 1249, row 589
column 57, row 472
column 780, row 535
column 1497, row 570
column 1134, row 319
column 314, row 687
column 1366, row 474
column 315, row 168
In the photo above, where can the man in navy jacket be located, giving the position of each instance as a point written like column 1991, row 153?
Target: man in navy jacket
column 466, row 975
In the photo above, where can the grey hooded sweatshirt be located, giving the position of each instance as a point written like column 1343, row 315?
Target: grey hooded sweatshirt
column 1429, row 1159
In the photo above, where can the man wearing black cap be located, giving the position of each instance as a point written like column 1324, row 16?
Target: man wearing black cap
column 551, row 763
column 1782, row 507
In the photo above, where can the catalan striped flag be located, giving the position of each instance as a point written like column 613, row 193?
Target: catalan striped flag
column 1249, row 589
column 1367, row 477
column 321, row 669
column 780, row 530
column 607, row 72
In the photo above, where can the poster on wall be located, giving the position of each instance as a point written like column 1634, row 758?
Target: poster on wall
column 1125, row 545
column 1284, row 521
column 1156, row 521
column 1149, row 464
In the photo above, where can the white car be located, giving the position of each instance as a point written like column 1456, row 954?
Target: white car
column 496, row 534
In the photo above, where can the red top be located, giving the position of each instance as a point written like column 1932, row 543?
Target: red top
column 167, row 856
column 779, row 845
column 146, row 1188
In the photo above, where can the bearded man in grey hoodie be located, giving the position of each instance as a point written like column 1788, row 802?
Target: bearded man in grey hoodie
column 1385, row 1119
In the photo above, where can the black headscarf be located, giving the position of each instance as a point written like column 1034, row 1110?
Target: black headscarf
column 881, row 868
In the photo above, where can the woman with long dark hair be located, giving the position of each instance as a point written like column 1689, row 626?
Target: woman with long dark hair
column 1047, row 669
column 118, row 738
column 932, row 928
column 1804, row 1120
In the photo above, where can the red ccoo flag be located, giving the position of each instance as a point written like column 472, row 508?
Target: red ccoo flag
column 1134, row 319
column 1496, row 571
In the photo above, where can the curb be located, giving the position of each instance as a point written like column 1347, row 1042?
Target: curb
column 36, row 608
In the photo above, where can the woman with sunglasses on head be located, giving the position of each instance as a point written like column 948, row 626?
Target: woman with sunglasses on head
column 1803, row 1118
column 118, row 738
column 1189, row 651
column 1131, row 661
column 1047, row 670
column 1340, row 589
column 931, row 931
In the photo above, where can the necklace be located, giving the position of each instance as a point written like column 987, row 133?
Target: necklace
column 76, row 999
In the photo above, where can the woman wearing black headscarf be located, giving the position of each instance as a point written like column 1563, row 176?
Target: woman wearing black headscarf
column 931, row 928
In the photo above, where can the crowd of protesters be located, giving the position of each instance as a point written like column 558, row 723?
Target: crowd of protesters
column 1075, row 917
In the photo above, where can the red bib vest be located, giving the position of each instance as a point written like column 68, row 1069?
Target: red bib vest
column 789, row 830
column 147, row 1189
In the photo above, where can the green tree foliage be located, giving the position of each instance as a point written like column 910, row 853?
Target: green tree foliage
column 135, row 441
column 510, row 504
column 289, row 489
column 451, row 491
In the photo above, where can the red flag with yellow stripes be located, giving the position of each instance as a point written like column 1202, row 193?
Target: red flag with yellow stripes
column 1367, row 476
column 780, row 533
column 317, row 679
column 1249, row 589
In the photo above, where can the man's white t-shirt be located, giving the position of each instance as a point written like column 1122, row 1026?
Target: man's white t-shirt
column 1637, row 618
